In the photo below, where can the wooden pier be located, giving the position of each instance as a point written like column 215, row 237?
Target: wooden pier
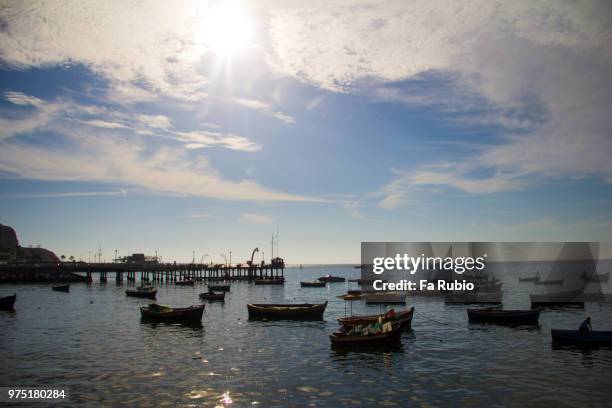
column 148, row 272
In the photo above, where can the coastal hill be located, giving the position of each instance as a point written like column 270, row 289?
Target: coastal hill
column 11, row 251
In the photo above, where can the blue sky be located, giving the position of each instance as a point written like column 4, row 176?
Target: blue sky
column 208, row 126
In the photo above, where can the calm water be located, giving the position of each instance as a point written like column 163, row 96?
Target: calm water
column 92, row 341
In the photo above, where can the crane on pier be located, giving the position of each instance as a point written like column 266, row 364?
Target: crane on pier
column 250, row 263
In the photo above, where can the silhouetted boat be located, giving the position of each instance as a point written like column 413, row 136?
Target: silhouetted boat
column 549, row 282
column 343, row 340
column 7, row 302
column 142, row 293
column 187, row 282
column 219, row 288
column 500, row 316
column 466, row 298
column 603, row 277
column 61, row 288
column 305, row 311
column 168, row 314
column 382, row 298
column 270, row 281
column 330, row 278
column 312, row 284
column 403, row 317
column 535, row 278
column 593, row 338
column 213, row 296
column 567, row 298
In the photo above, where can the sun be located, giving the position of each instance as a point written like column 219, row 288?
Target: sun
column 228, row 29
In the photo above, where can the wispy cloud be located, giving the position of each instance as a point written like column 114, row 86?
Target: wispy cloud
column 265, row 108
column 255, row 218
column 65, row 195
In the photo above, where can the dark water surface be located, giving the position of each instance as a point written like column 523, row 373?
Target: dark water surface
column 92, row 341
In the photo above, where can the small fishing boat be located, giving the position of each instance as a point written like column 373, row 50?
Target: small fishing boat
column 270, row 281
column 305, row 311
column 535, row 278
column 330, row 278
column 549, row 282
column 602, row 277
column 344, row 340
column 61, row 288
column 7, row 302
column 499, row 316
column 312, row 284
column 212, row 296
column 219, row 288
column 186, row 282
column 385, row 298
column 403, row 318
column 142, row 292
column 567, row 298
column 170, row 314
column 593, row 338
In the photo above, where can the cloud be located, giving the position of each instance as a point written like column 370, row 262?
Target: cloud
column 265, row 108
column 65, row 195
column 19, row 98
column 253, row 218
column 202, row 139
column 532, row 70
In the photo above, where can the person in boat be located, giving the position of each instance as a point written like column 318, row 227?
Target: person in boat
column 585, row 326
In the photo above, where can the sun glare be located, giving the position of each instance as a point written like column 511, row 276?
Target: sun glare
column 228, row 29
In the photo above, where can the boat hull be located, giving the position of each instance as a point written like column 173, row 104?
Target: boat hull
column 505, row 317
column 8, row 302
column 304, row 311
column 392, row 338
column 146, row 294
column 62, row 288
column 594, row 338
column 192, row 314
column 312, row 284
column 213, row 296
column 332, row 279
column 403, row 318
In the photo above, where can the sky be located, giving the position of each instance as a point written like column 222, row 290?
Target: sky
column 205, row 127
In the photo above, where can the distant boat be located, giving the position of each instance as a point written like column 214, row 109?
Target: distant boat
column 312, row 284
column 141, row 293
column 6, row 303
column 403, row 317
column 157, row 312
column 466, row 298
column 384, row 298
column 270, row 281
column 343, row 340
column 602, row 277
column 567, row 298
column 305, row 311
column 549, row 282
column 535, row 278
column 499, row 316
column 188, row 282
column 61, row 288
column 593, row 338
column 219, row 288
column 212, row 296
column 330, row 278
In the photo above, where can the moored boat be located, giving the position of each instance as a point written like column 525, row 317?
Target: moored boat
column 304, row 311
column 61, row 288
column 549, row 282
column 345, row 340
column 170, row 314
column 220, row 296
column 270, row 281
column 403, row 317
column 7, row 302
column 592, row 338
column 500, row 316
column 219, row 288
column 186, row 282
column 312, row 284
column 142, row 292
column 330, row 278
